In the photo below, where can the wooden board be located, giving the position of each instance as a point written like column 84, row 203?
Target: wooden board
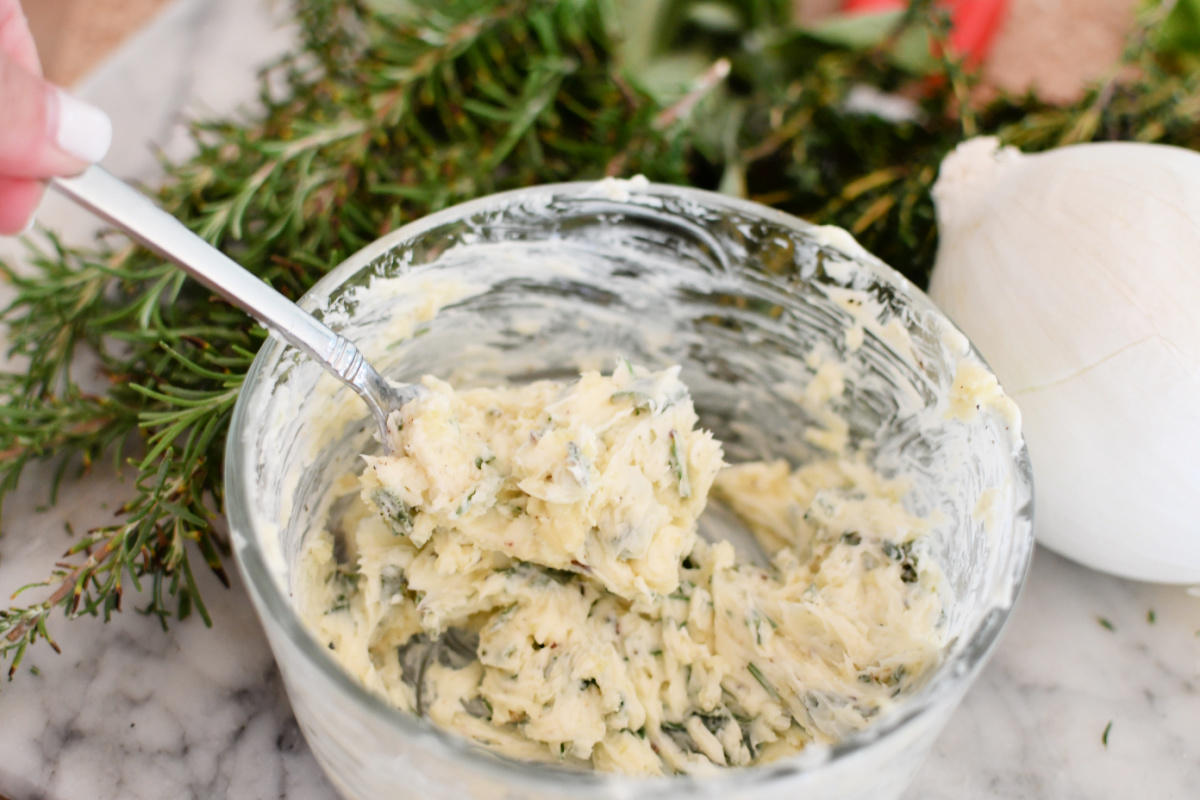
column 74, row 35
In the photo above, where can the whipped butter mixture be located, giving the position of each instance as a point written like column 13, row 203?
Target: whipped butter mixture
column 526, row 571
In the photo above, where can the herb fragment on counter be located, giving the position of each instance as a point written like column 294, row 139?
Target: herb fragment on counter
column 1104, row 736
column 1150, row 616
column 392, row 111
column 1104, row 623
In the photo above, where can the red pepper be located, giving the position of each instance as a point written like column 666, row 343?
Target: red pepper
column 975, row 22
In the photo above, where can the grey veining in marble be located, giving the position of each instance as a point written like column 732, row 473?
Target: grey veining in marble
column 130, row 712
column 1032, row 726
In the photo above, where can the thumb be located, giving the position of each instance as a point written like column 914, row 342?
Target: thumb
column 43, row 130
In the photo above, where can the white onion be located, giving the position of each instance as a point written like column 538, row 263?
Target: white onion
column 1076, row 273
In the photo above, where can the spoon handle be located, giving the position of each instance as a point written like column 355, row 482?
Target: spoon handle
column 119, row 204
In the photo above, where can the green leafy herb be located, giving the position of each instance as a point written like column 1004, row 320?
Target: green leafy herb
column 578, row 465
column 346, row 580
column 684, row 592
column 465, row 505
column 1104, row 623
column 1150, row 617
column 755, row 620
column 394, row 511
column 1104, row 736
column 762, row 680
column 679, row 466
column 642, row 402
column 908, row 562
column 391, row 582
column 340, row 603
column 478, row 706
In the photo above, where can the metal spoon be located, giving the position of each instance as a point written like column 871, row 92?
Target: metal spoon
column 119, row 204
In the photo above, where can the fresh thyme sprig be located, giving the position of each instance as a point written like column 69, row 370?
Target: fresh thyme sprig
column 390, row 111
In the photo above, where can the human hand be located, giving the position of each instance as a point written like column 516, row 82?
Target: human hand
column 44, row 131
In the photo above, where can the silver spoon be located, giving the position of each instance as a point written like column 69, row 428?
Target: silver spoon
column 119, row 204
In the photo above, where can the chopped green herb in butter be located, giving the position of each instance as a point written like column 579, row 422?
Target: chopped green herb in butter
column 525, row 570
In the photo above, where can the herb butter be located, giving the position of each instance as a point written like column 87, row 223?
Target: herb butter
column 525, row 571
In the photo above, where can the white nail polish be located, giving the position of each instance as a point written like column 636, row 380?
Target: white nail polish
column 84, row 131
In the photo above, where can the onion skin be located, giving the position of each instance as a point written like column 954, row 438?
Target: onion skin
column 1076, row 273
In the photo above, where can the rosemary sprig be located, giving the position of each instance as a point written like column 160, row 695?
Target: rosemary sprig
column 393, row 110
column 387, row 118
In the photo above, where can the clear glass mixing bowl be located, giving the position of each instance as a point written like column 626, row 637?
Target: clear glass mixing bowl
column 546, row 281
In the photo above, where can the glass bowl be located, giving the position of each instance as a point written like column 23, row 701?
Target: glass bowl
column 550, row 280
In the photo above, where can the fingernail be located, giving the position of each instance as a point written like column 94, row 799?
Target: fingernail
column 84, row 131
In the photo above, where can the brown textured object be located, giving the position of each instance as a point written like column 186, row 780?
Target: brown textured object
column 810, row 11
column 1055, row 47
column 74, row 35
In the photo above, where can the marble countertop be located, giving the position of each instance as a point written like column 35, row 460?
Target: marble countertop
column 128, row 711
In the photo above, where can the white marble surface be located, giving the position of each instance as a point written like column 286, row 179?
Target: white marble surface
column 130, row 712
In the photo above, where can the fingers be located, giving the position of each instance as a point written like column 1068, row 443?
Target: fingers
column 45, row 131
column 19, row 198
column 15, row 39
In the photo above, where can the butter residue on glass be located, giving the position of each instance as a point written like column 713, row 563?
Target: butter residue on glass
column 526, row 572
